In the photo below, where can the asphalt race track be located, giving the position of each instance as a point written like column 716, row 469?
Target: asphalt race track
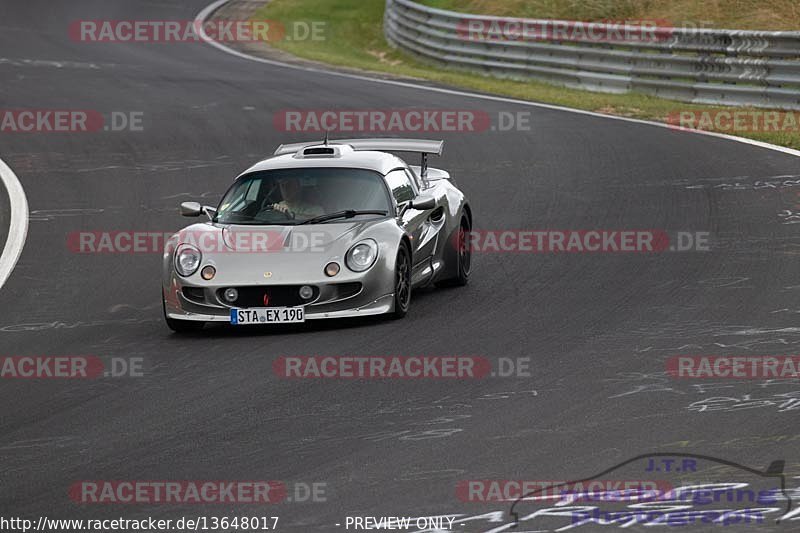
column 597, row 328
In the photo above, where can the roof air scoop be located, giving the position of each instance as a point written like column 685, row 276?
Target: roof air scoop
column 319, row 151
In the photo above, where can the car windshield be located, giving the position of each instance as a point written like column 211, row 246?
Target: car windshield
column 292, row 196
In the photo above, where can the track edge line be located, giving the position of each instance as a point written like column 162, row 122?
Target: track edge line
column 18, row 226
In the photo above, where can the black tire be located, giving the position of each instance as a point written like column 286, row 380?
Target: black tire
column 402, row 282
column 180, row 326
column 463, row 257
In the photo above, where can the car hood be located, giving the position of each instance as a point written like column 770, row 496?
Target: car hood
column 223, row 238
column 281, row 254
column 317, row 237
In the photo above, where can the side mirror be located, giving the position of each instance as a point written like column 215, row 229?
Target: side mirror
column 191, row 209
column 423, row 202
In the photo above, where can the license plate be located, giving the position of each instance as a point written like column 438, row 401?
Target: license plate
column 268, row 315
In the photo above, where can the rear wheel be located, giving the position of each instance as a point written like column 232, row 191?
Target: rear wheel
column 402, row 282
column 463, row 257
column 180, row 326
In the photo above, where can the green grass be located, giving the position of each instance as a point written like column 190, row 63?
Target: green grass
column 354, row 38
column 739, row 14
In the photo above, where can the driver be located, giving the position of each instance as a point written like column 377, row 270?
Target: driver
column 293, row 203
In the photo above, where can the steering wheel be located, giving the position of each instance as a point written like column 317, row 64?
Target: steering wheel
column 271, row 207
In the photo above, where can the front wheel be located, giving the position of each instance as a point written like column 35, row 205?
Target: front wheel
column 402, row 282
column 180, row 326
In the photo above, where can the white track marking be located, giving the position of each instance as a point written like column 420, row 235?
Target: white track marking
column 18, row 229
column 208, row 10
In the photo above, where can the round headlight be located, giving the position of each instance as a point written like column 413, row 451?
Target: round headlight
column 187, row 259
column 230, row 294
column 208, row 272
column 362, row 255
column 331, row 269
column 306, row 292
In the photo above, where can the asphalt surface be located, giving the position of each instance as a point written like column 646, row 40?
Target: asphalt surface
column 597, row 327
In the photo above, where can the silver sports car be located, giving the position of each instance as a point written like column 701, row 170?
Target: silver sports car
column 320, row 230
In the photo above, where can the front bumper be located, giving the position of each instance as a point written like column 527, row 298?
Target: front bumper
column 331, row 300
column 281, row 275
column 190, row 311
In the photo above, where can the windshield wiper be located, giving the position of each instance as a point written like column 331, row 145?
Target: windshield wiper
column 349, row 213
column 250, row 220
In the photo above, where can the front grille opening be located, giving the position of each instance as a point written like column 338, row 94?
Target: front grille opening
column 346, row 290
column 195, row 294
column 276, row 296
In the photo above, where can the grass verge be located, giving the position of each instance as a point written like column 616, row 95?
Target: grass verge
column 740, row 14
column 354, row 38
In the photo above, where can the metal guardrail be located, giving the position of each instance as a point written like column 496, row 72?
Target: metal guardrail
column 729, row 67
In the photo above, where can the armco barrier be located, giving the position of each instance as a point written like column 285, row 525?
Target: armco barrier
column 729, row 67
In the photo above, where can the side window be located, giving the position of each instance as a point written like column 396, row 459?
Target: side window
column 413, row 177
column 401, row 186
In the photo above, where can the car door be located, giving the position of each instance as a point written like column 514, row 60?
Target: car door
column 434, row 223
column 416, row 222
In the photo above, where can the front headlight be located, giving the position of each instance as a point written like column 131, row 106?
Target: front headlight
column 362, row 255
column 187, row 259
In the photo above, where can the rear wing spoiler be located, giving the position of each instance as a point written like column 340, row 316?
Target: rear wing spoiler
column 420, row 146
